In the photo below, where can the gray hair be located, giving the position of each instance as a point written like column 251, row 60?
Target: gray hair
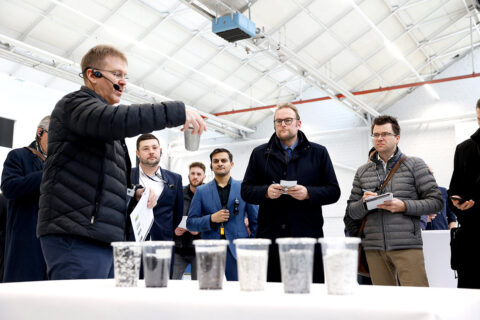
column 44, row 122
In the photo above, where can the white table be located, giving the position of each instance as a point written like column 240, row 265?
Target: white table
column 100, row 299
column 436, row 249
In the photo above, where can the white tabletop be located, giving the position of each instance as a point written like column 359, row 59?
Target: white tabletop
column 100, row 299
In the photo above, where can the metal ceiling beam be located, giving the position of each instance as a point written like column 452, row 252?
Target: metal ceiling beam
column 41, row 60
column 338, row 39
column 380, row 48
column 94, row 29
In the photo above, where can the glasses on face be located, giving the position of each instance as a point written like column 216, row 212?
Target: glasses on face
column 288, row 121
column 116, row 74
column 382, row 134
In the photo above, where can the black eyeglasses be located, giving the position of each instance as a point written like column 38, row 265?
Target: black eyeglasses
column 383, row 135
column 288, row 121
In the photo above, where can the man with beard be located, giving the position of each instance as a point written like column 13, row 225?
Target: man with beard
column 218, row 211
column 296, row 212
column 184, row 249
column 165, row 185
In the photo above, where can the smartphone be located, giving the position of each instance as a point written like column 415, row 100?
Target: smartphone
column 459, row 199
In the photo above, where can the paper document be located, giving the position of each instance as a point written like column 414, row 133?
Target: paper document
column 142, row 217
column 288, row 184
column 183, row 223
column 373, row 202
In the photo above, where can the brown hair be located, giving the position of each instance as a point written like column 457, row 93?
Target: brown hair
column 146, row 136
column 381, row 120
column 478, row 104
column 197, row 165
column 288, row 105
column 95, row 57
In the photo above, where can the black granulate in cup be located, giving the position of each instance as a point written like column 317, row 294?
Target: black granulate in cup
column 210, row 268
column 156, row 269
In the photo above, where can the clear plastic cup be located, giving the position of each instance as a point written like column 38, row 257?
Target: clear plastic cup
column 192, row 141
column 157, row 256
column 252, row 259
column 211, row 256
column 296, row 261
column 340, row 262
column 126, row 262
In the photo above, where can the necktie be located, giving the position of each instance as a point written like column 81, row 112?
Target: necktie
column 289, row 152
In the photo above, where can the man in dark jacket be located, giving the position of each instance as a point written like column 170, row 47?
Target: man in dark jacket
column 84, row 188
column 166, row 186
column 296, row 212
column 465, row 185
column 393, row 238
column 3, row 228
column 184, row 249
column 21, row 177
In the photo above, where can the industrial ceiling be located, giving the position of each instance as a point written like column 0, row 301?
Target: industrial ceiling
column 331, row 47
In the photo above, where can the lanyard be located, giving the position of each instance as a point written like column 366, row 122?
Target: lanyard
column 382, row 181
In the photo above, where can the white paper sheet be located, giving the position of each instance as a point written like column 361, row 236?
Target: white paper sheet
column 373, row 202
column 142, row 217
column 183, row 223
column 288, row 184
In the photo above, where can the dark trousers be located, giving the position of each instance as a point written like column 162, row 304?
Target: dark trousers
column 274, row 271
column 468, row 278
column 70, row 257
column 231, row 267
column 181, row 262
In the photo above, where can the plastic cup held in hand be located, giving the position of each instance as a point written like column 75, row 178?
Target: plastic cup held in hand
column 126, row 262
column 296, row 262
column 211, row 256
column 340, row 263
column 157, row 256
column 192, row 141
column 252, row 259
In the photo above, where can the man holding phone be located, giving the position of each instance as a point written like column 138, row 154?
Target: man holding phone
column 465, row 196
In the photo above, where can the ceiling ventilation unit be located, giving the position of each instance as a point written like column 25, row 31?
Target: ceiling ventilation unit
column 233, row 27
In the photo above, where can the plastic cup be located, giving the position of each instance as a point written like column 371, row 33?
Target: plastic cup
column 296, row 262
column 252, row 259
column 157, row 256
column 211, row 256
column 340, row 262
column 126, row 262
column 192, row 141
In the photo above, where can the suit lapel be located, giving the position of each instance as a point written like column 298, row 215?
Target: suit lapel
column 214, row 195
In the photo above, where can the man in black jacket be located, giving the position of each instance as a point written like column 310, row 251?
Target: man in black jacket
column 184, row 249
column 296, row 212
column 84, row 186
column 465, row 186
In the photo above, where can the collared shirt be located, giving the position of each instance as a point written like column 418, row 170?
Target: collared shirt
column 155, row 182
column 286, row 149
column 384, row 164
column 224, row 192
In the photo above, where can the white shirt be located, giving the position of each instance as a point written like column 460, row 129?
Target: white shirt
column 155, row 182
column 384, row 163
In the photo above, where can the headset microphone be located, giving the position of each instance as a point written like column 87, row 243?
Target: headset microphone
column 98, row 74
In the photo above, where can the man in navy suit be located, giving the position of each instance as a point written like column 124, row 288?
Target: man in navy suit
column 166, row 188
column 218, row 210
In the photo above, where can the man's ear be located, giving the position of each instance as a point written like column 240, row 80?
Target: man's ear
column 138, row 154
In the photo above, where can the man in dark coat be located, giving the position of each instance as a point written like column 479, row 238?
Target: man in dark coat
column 465, row 185
column 296, row 212
column 3, row 227
column 21, row 177
column 184, row 248
column 166, row 186
column 83, row 199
